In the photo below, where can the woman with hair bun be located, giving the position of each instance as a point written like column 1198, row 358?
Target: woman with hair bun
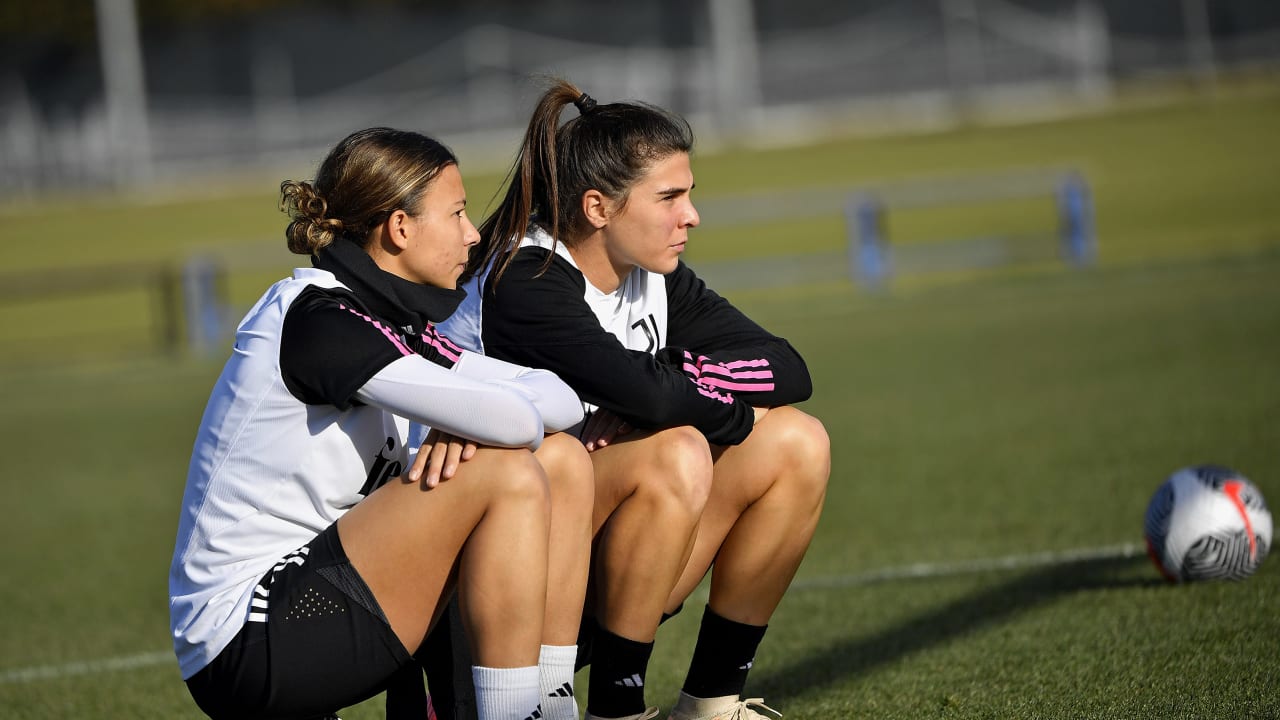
column 701, row 462
column 315, row 548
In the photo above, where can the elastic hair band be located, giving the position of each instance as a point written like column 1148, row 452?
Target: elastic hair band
column 585, row 104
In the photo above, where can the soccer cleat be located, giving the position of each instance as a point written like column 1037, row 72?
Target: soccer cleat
column 724, row 708
column 648, row 714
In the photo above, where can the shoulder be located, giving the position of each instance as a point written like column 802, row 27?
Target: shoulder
column 315, row 306
column 533, row 270
column 313, row 297
column 332, row 319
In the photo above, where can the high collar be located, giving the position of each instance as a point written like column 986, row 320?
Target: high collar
column 408, row 304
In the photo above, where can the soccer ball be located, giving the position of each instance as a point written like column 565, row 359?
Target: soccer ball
column 1207, row 523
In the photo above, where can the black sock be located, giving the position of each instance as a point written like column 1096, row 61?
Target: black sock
column 587, row 630
column 405, row 694
column 618, row 666
column 437, row 658
column 723, row 656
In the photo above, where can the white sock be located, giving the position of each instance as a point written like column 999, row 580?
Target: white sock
column 555, row 680
column 506, row 693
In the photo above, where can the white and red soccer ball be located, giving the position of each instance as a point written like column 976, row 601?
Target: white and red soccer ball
column 1207, row 522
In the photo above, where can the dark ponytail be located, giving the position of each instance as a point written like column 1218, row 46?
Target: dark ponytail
column 605, row 147
column 532, row 183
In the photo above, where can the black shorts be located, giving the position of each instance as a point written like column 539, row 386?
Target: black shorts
column 316, row 642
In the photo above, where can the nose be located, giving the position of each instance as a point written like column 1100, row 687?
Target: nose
column 471, row 235
column 691, row 218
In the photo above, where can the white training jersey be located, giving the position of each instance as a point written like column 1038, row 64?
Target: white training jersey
column 635, row 313
column 659, row 351
column 269, row 471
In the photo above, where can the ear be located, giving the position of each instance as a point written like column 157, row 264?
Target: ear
column 596, row 208
column 398, row 229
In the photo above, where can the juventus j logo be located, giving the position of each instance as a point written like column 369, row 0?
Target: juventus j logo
column 649, row 326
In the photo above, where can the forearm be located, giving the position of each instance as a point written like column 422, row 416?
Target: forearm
column 556, row 402
column 635, row 387
column 768, row 374
column 490, row 412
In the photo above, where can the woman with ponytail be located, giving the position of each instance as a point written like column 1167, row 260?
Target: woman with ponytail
column 317, row 545
column 701, row 462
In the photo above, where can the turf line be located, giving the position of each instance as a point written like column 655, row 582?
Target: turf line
column 969, row 567
column 901, row 572
column 87, row 667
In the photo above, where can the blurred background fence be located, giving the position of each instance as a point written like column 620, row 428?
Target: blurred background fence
column 147, row 92
column 146, row 96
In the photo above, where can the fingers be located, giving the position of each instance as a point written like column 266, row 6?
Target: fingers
column 593, row 433
column 602, row 428
column 437, row 454
column 439, row 457
column 452, row 456
column 420, row 462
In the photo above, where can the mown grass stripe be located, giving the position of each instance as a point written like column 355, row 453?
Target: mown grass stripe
column 901, row 572
column 86, row 667
column 970, row 567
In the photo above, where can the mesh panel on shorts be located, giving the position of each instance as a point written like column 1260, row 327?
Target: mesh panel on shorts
column 312, row 603
column 345, row 578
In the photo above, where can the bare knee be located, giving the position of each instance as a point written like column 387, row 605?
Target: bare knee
column 680, row 468
column 803, row 447
column 569, row 471
column 512, row 477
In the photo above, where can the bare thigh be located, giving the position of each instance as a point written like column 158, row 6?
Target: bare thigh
column 766, row 497
column 406, row 540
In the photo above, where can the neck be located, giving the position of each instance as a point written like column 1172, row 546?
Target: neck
column 592, row 256
column 385, row 255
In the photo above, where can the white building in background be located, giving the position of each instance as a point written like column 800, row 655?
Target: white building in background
column 738, row 73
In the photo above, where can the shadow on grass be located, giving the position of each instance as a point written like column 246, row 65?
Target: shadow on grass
column 988, row 607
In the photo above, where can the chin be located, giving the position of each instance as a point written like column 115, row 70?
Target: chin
column 665, row 266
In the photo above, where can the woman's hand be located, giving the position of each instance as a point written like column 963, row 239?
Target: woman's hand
column 439, row 457
column 601, row 429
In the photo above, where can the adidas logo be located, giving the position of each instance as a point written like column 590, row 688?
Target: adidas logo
column 565, row 690
column 537, row 713
column 634, row 681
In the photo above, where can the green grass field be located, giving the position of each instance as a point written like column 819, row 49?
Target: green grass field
column 995, row 415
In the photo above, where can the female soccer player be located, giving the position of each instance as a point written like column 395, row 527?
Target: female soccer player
column 314, row 549
column 700, row 460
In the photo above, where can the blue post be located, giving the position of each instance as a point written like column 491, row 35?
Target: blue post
column 1075, row 206
column 204, row 295
column 868, row 256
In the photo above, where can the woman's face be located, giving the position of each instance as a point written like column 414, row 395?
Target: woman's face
column 439, row 234
column 651, row 230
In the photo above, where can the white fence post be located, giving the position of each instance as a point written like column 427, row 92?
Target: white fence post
column 125, row 90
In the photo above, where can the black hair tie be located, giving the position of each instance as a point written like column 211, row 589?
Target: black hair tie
column 585, row 104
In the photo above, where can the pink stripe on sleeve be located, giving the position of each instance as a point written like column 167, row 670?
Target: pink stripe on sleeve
column 386, row 332
column 708, row 392
column 736, row 386
column 732, row 376
column 438, row 341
